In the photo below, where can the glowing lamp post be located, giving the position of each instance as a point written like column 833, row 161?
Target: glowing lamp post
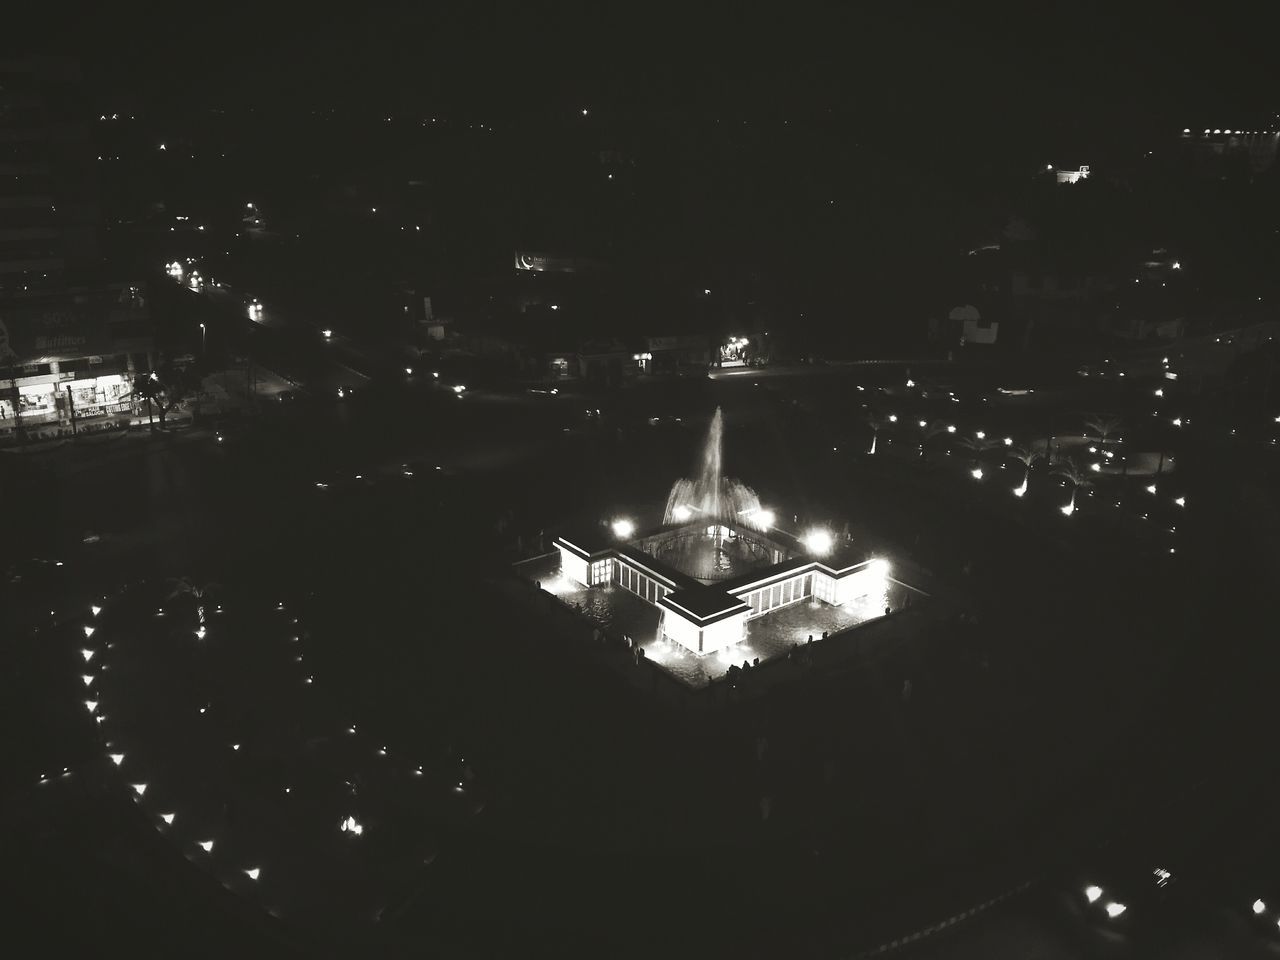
column 819, row 542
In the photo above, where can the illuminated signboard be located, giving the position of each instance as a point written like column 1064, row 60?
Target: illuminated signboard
column 545, row 262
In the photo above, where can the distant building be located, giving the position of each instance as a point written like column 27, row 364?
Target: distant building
column 70, row 339
column 48, row 206
column 70, row 355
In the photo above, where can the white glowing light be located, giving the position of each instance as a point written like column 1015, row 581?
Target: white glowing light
column 252, row 873
column 1159, row 392
column 765, row 518
column 235, row 746
column 681, row 513
column 200, row 633
column 116, row 758
column 87, row 654
column 818, row 542
column 1008, row 441
column 95, row 610
column 911, row 383
column 91, row 705
column 879, row 568
column 206, row 846
column 458, row 388
column 88, row 631
column 1019, row 491
column 981, row 435
column 139, row 788
column 1069, row 509
column 976, row 473
column 1151, row 488
column 921, row 424
column 167, row 818
column 1115, row 909
column 951, row 428
column 1177, row 421
column 1095, row 467
column 1259, row 906
column 1092, row 893
column 893, row 418
column 341, row 393
column 409, row 371
column 1181, row 501
column 352, row 826
column 623, row 528
column 86, row 678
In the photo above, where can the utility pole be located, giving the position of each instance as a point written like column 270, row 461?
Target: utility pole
column 71, row 405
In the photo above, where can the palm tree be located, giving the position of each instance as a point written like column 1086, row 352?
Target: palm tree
column 197, row 591
column 1028, row 456
column 1103, row 426
column 876, row 421
column 1071, row 471
column 930, row 430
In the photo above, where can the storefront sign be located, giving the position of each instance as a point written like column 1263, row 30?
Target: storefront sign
column 66, row 328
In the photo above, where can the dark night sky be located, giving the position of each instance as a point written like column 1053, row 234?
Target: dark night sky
column 1008, row 65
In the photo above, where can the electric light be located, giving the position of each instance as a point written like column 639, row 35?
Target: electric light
column 139, row 788
column 893, row 418
column 623, row 528
column 765, row 518
column 981, row 435
column 922, row 424
column 1177, row 421
column 1095, row 467
column 200, row 633
column 951, row 428
column 1159, row 391
column 1008, row 441
column 1181, row 501
column 1019, row 491
column 911, row 383
column 87, row 654
column 681, row 513
column 1151, row 488
column 326, row 334
column 206, row 846
column 252, row 873
column 88, row 631
column 1259, row 906
column 1092, row 893
column 95, row 610
column 1115, row 909
column 819, row 542
column 458, row 388
column 235, row 746
column 91, row 705
column 87, row 678
column 351, row 826
column 167, row 818
column 1069, row 509
column 878, row 568
column 976, row 473
column 409, row 371
column 116, row 758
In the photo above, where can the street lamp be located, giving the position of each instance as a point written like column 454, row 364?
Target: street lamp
column 203, row 331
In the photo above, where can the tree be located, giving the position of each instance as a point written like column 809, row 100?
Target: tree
column 1103, row 426
column 1076, row 475
column 1028, row 456
column 165, row 389
column 930, row 430
column 876, row 421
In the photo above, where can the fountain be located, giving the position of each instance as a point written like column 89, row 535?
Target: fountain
column 722, row 509
column 711, row 495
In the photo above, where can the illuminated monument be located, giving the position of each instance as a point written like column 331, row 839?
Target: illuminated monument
column 716, row 561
